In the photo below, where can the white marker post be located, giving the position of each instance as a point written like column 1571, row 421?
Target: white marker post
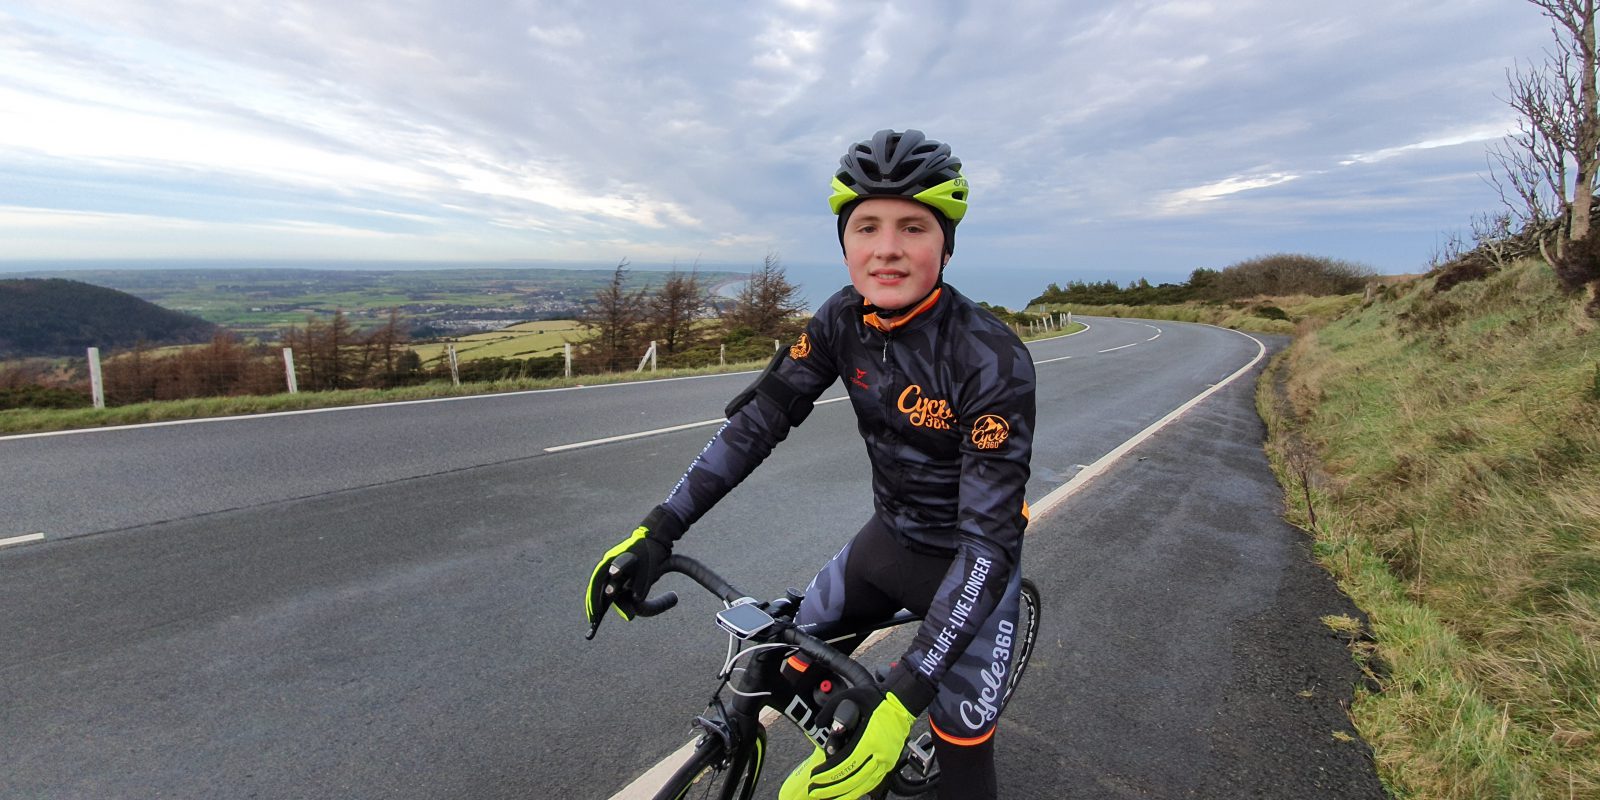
column 288, row 370
column 568, row 349
column 455, row 365
column 97, row 385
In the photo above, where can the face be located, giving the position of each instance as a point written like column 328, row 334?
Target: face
column 894, row 249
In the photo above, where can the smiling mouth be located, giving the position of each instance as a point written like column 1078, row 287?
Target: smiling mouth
column 888, row 275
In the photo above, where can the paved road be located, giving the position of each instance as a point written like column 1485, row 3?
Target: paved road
column 384, row 602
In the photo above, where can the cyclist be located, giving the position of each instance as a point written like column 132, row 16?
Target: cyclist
column 944, row 397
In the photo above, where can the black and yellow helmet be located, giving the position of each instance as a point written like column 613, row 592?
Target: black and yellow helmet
column 902, row 164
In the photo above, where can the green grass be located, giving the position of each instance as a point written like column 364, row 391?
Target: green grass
column 1451, row 443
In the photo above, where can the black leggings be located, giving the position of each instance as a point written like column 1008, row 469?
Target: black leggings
column 873, row 577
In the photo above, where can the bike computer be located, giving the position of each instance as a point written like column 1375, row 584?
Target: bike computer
column 744, row 620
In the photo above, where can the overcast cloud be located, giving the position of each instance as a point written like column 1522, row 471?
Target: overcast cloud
column 1102, row 139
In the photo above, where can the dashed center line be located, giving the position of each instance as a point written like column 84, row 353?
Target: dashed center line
column 23, row 539
column 1135, row 344
column 641, row 434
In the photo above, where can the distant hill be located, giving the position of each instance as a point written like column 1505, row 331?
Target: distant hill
column 58, row 317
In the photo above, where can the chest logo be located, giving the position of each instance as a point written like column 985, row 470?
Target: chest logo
column 925, row 412
column 860, row 379
column 802, row 348
column 989, row 432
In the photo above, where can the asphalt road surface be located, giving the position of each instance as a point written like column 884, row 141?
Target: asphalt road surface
column 385, row 602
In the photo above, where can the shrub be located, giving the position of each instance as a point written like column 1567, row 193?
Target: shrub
column 35, row 396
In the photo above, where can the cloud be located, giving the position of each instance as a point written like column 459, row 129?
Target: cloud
column 1478, row 133
column 1186, row 199
column 558, row 127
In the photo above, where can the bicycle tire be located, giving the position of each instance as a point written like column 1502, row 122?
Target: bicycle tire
column 710, row 774
column 1028, row 611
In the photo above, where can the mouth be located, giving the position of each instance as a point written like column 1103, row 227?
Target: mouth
column 889, row 275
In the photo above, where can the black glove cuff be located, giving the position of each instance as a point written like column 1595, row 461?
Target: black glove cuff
column 663, row 526
column 915, row 692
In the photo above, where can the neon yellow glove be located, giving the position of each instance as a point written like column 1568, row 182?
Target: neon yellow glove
column 864, row 762
column 651, row 544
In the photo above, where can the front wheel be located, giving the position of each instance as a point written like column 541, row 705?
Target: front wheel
column 712, row 774
column 1028, row 609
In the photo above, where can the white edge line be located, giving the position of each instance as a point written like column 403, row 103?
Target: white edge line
column 361, row 406
column 23, row 539
column 1089, row 473
column 645, row 786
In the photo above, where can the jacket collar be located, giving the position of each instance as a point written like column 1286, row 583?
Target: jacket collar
column 901, row 320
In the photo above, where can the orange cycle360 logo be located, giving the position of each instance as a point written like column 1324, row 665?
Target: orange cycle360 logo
column 990, row 431
column 802, row 348
column 925, row 412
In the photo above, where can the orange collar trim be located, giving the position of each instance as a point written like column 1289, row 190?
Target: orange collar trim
column 887, row 325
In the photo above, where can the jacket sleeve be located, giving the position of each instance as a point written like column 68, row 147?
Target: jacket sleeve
column 996, row 413
column 757, row 420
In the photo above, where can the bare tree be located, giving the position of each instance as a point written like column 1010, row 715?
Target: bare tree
column 673, row 310
column 768, row 304
column 1558, row 129
column 614, row 317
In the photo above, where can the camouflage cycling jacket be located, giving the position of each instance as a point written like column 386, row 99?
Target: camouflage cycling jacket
column 944, row 397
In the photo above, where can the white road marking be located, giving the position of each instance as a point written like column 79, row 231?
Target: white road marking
column 1135, row 344
column 23, row 539
column 641, row 434
column 1051, row 360
column 1078, row 481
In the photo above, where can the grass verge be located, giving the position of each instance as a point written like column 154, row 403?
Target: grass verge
column 1444, row 451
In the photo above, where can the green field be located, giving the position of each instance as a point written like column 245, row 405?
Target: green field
column 524, row 340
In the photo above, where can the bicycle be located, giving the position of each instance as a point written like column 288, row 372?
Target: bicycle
column 730, row 752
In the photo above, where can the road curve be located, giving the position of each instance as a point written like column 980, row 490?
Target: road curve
column 383, row 602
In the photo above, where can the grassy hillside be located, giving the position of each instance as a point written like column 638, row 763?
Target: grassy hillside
column 1444, row 448
column 1261, row 314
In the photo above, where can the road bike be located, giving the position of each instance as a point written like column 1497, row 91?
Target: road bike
column 730, row 752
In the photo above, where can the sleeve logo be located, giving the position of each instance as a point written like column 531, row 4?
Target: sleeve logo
column 989, row 432
column 802, row 348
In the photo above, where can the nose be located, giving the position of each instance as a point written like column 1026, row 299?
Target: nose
column 888, row 245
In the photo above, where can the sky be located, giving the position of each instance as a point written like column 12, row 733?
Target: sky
column 1102, row 140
